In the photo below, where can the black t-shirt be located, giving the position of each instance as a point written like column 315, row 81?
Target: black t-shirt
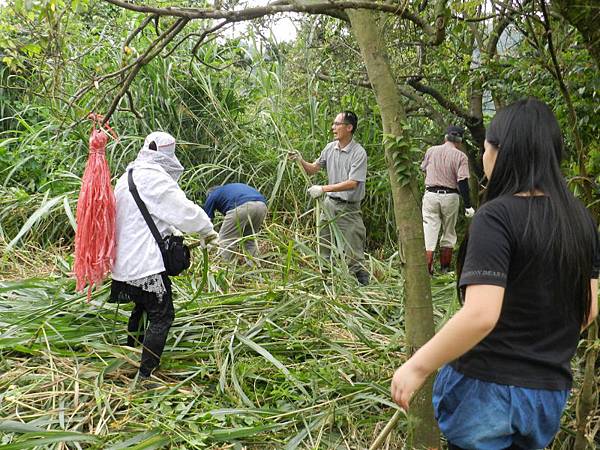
column 533, row 342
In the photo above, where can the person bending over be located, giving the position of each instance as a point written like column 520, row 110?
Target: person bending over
column 245, row 210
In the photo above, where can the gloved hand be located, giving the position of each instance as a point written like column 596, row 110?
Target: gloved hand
column 469, row 212
column 210, row 241
column 294, row 155
column 315, row 191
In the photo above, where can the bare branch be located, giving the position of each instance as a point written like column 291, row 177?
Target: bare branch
column 148, row 55
column 317, row 7
column 206, row 33
column 201, row 37
column 443, row 101
column 137, row 31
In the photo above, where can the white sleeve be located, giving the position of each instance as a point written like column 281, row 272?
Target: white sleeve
column 166, row 201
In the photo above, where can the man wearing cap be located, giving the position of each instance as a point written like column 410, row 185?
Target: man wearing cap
column 345, row 161
column 446, row 170
column 138, row 272
column 244, row 208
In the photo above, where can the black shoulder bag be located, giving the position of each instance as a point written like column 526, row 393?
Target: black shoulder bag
column 176, row 255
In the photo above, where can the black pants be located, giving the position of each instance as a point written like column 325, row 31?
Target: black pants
column 159, row 314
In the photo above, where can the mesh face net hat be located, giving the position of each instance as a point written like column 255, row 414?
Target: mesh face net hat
column 159, row 148
column 165, row 143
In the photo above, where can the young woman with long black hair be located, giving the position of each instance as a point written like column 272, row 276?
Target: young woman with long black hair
column 529, row 280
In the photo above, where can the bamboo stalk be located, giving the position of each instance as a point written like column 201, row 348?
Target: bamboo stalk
column 386, row 431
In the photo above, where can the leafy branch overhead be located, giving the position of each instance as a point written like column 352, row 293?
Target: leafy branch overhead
column 433, row 34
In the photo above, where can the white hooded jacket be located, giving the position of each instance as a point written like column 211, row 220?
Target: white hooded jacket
column 137, row 253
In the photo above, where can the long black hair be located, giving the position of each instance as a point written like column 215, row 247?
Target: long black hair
column 529, row 142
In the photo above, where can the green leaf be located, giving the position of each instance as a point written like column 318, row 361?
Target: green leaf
column 31, row 440
column 37, row 215
column 269, row 357
column 143, row 441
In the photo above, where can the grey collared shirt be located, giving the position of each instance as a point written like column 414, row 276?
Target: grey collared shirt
column 343, row 164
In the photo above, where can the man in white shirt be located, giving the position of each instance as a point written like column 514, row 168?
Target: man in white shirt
column 139, row 272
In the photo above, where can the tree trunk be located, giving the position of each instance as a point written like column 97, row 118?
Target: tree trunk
column 419, row 325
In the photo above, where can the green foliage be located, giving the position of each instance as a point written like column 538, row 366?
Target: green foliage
column 299, row 361
column 235, row 124
column 268, row 358
column 404, row 156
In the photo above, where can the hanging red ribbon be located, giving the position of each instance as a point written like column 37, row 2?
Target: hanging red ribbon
column 96, row 211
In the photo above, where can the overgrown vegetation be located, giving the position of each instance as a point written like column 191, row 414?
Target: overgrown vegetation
column 272, row 357
column 277, row 356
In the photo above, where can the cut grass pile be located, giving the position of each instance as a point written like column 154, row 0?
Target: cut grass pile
column 276, row 356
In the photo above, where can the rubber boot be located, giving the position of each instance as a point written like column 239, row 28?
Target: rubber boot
column 363, row 277
column 429, row 257
column 445, row 258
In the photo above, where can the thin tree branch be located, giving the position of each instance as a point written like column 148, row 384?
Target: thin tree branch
column 149, row 54
column 420, row 102
column 474, row 19
column 201, row 37
column 364, row 83
column 137, row 31
column 139, row 60
column 443, row 101
column 317, row 7
column 563, row 87
column 206, row 33
column 132, row 105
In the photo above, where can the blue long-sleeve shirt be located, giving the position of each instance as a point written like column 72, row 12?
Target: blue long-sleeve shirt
column 230, row 196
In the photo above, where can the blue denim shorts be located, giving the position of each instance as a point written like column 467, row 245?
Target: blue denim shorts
column 475, row 414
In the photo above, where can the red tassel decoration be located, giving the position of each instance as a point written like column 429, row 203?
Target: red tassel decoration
column 96, row 211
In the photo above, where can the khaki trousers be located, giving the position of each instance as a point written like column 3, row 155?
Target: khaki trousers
column 440, row 211
column 245, row 220
column 343, row 222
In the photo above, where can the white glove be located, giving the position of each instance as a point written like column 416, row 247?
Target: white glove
column 210, row 241
column 315, row 191
column 294, row 155
column 469, row 212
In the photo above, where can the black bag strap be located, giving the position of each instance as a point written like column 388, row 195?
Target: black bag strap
column 142, row 206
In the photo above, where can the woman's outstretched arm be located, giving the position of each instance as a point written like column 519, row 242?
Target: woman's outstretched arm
column 475, row 320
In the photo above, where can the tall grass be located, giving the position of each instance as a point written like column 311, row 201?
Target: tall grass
column 234, row 125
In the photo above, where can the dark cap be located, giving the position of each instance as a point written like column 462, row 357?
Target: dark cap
column 454, row 130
